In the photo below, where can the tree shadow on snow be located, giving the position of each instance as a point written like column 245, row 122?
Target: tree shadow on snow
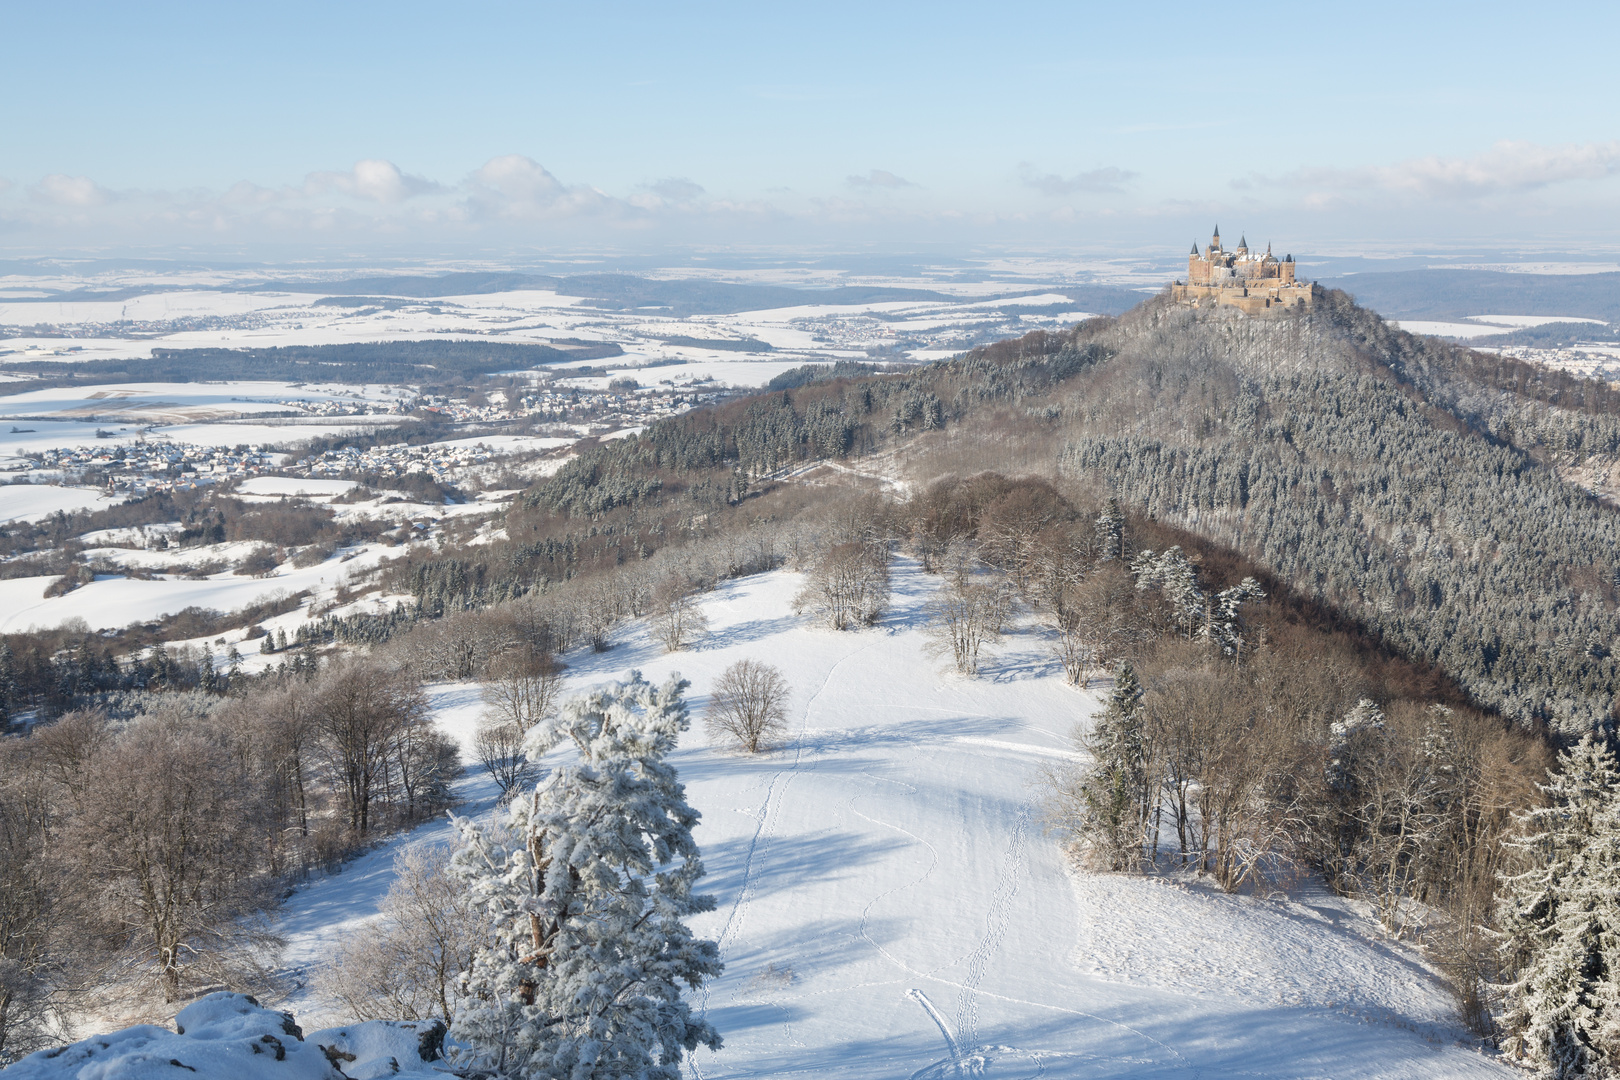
column 745, row 633
column 788, row 861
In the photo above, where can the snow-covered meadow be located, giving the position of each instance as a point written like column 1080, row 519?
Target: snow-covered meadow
column 31, row 502
column 890, row 906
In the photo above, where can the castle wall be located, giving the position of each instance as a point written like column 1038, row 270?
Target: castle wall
column 1251, row 300
column 1255, row 284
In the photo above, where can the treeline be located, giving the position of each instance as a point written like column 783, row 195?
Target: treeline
column 138, row 847
column 1249, row 735
column 832, row 419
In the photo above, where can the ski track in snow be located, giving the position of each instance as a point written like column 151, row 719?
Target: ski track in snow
column 967, row 1012
column 766, row 819
column 891, row 850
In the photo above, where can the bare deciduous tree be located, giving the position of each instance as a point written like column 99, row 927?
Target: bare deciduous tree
column 523, row 688
column 749, row 705
column 39, row 943
column 598, row 606
column 677, row 618
column 361, row 707
column 166, row 835
column 963, row 617
column 405, row 966
column 848, row 587
column 499, row 746
column 1009, row 526
column 1100, row 621
column 459, row 646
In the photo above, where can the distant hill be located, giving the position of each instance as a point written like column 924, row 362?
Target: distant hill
column 617, row 292
column 390, row 361
column 613, row 292
column 1102, row 299
column 421, row 286
column 1414, row 486
column 1452, row 294
column 623, row 292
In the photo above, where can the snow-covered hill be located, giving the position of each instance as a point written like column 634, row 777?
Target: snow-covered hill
column 889, row 905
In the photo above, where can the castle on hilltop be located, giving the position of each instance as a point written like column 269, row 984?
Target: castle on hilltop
column 1251, row 282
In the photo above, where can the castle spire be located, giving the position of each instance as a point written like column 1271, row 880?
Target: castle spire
column 1195, row 247
column 1243, row 243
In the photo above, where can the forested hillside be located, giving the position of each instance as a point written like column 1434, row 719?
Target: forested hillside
column 1403, row 481
column 1407, row 483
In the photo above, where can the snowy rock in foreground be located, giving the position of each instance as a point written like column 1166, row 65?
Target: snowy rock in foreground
column 379, row 1048
column 233, row 1036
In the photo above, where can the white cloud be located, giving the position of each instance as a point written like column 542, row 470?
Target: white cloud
column 1108, row 178
column 672, row 193
column 59, row 189
column 373, row 179
column 514, row 186
column 1505, row 169
column 878, row 178
column 676, row 189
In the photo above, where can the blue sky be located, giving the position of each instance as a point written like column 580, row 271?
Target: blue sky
column 448, row 128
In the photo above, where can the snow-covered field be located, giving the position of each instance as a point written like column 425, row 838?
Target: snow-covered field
column 31, row 502
column 163, row 402
column 1486, row 325
column 1449, row 329
column 889, row 906
column 113, row 602
column 307, row 487
column 1519, row 322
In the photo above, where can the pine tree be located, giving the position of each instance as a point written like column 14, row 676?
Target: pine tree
column 1560, row 921
column 1171, row 571
column 1223, row 624
column 1115, row 789
column 1110, row 530
column 587, row 902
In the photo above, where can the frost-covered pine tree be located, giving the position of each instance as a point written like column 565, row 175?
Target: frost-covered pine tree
column 1115, row 790
column 1224, row 625
column 1110, row 530
column 1171, row 571
column 1340, row 769
column 587, row 895
column 1560, row 922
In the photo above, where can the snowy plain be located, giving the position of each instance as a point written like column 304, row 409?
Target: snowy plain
column 31, row 502
column 889, row 905
column 112, row 601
